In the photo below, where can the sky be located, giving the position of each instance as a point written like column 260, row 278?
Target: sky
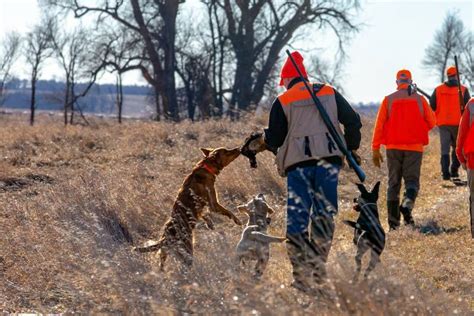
column 394, row 35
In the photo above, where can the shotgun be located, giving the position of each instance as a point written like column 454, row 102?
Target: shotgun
column 327, row 121
column 461, row 97
column 414, row 88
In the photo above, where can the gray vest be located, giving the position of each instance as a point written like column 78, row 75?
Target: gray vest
column 308, row 137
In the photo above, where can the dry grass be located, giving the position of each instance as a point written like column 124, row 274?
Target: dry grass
column 73, row 201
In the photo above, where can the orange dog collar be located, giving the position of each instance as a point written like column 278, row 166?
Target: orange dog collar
column 210, row 169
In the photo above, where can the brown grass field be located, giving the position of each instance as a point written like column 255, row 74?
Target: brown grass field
column 73, row 202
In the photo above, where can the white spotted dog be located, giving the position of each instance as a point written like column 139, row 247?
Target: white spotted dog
column 255, row 242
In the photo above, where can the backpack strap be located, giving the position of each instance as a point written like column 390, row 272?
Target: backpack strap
column 317, row 87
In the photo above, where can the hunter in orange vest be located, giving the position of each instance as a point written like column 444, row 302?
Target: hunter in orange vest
column 445, row 102
column 402, row 126
column 465, row 152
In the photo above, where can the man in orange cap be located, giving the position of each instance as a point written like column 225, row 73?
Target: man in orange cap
column 465, row 152
column 310, row 159
column 445, row 102
column 403, row 122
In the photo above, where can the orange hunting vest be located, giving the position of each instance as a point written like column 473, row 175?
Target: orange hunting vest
column 469, row 143
column 406, row 124
column 448, row 109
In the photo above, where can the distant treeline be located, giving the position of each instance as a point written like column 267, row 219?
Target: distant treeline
column 100, row 99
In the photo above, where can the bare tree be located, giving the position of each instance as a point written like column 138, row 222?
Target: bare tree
column 221, row 59
column 75, row 51
column 120, row 52
column 448, row 41
column 194, row 70
column 37, row 50
column 467, row 60
column 259, row 30
column 324, row 71
column 154, row 22
column 8, row 52
column 195, row 58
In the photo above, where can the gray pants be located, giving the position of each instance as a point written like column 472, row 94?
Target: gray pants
column 449, row 162
column 406, row 165
column 470, row 179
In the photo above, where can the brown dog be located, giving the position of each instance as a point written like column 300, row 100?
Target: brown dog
column 196, row 192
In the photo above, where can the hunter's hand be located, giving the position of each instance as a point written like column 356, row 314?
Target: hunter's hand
column 377, row 158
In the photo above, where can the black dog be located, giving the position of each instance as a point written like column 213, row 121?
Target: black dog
column 368, row 232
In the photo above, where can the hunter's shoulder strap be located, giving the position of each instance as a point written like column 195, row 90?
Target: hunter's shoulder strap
column 317, row 87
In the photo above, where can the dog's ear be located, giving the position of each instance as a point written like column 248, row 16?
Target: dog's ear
column 375, row 190
column 206, row 151
column 361, row 188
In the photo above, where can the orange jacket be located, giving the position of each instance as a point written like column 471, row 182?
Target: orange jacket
column 465, row 141
column 448, row 109
column 381, row 125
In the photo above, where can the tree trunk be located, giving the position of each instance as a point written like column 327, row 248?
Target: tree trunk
column 169, row 13
column 33, row 97
column 263, row 75
column 119, row 92
column 66, row 101
column 157, row 103
column 191, row 106
column 204, row 97
column 161, row 77
column 73, row 101
column 222, row 41
column 242, row 90
column 216, row 67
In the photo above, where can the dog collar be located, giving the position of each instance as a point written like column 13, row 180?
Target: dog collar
column 210, row 169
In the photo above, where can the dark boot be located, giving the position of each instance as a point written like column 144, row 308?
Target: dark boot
column 393, row 211
column 407, row 206
column 296, row 248
column 322, row 232
column 455, row 164
column 445, row 167
column 407, row 217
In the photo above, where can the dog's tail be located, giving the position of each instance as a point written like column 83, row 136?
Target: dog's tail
column 149, row 246
column 351, row 224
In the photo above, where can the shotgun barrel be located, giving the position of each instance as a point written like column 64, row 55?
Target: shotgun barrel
column 332, row 130
column 423, row 93
column 414, row 87
column 461, row 97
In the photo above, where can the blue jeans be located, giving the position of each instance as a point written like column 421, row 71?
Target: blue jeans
column 312, row 193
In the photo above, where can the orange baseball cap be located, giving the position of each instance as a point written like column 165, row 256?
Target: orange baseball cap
column 451, row 71
column 289, row 71
column 404, row 74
